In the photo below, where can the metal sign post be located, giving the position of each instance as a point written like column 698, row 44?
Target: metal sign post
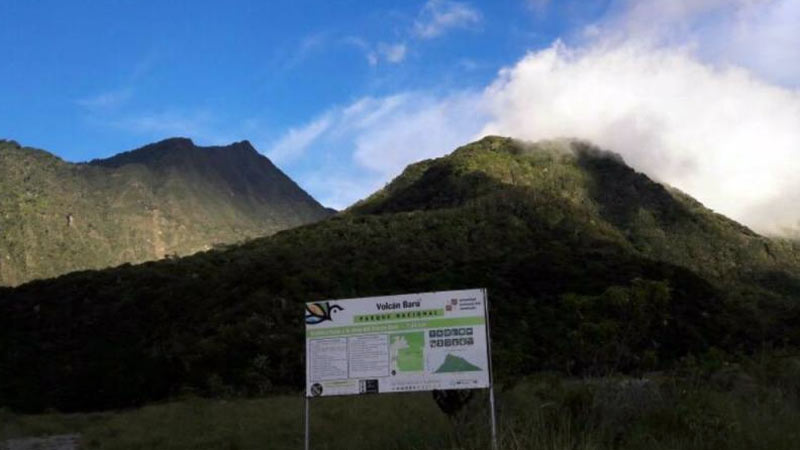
column 491, row 376
column 307, row 425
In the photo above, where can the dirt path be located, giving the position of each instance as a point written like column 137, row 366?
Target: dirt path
column 60, row 442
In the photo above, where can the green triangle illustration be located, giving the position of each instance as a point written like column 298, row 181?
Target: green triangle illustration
column 454, row 363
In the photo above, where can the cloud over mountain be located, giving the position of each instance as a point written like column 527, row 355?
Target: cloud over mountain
column 699, row 94
column 723, row 135
column 651, row 80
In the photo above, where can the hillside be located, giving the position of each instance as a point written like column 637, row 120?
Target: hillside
column 591, row 267
column 613, row 199
column 170, row 198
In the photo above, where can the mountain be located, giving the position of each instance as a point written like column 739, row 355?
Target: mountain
column 591, row 268
column 571, row 179
column 165, row 199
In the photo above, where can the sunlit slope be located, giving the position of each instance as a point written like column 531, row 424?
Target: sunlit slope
column 169, row 198
column 578, row 283
column 611, row 199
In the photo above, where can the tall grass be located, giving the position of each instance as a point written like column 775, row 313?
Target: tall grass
column 754, row 405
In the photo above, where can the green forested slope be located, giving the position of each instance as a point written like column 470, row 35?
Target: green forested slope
column 591, row 269
column 169, row 198
column 656, row 220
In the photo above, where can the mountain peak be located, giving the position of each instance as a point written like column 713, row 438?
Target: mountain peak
column 495, row 163
column 10, row 142
column 245, row 144
column 181, row 151
column 177, row 141
column 166, row 198
column 579, row 186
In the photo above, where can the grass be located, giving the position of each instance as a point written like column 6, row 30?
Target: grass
column 275, row 423
column 730, row 407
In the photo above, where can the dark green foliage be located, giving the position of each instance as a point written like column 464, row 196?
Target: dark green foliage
column 571, row 290
column 165, row 199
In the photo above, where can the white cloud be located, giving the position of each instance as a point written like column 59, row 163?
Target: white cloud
column 761, row 35
column 393, row 53
column 420, row 127
column 722, row 135
column 700, row 94
column 286, row 60
column 106, row 100
column 380, row 136
column 294, row 142
column 434, row 19
column 439, row 16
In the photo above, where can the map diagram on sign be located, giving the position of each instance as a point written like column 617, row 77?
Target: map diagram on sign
column 407, row 352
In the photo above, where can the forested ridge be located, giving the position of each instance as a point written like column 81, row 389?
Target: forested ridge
column 170, row 198
column 591, row 268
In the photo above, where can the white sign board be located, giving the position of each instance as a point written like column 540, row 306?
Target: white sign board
column 398, row 343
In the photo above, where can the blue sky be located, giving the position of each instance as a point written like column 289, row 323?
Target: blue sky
column 87, row 79
column 343, row 94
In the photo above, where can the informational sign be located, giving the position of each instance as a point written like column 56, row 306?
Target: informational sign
column 399, row 343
